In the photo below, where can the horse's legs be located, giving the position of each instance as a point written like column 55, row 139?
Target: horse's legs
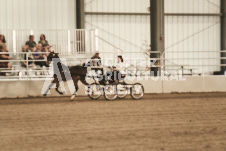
column 53, row 82
column 83, row 80
column 57, row 86
column 75, row 80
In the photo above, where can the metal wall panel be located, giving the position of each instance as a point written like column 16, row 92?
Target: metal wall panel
column 193, row 41
column 117, row 5
column 37, row 14
column 120, row 33
column 190, row 41
column 192, row 6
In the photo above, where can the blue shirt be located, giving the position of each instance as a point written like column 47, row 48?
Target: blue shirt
column 37, row 55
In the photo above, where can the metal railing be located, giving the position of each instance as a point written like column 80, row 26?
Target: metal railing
column 193, row 62
column 167, row 66
column 20, row 72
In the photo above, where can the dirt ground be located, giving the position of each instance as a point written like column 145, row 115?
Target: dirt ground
column 169, row 122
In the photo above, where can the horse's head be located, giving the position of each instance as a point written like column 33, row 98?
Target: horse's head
column 52, row 55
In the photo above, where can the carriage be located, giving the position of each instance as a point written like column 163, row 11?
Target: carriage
column 119, row 90
column 110, row 90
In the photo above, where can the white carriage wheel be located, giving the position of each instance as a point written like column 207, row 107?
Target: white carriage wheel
column 94, row 91
column 122, row 91
column 110, row 92
column 137, row 91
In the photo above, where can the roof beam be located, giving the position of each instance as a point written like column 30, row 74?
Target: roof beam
column 148, row 14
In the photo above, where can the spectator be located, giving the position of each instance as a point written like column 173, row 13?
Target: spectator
column 2, row 41
column 44, row 43
column 5, row 57
column 40, row 56
column 24, row 57
column 31, row 43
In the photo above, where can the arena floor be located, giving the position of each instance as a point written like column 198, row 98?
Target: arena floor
column 169, row 122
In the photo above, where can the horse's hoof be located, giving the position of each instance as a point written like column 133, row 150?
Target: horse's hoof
column 45, row 95
column 72, row 97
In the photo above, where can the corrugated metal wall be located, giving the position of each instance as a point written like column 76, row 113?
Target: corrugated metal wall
column 182, row 33
column 119, row 32
column 37, row 14
column 51, row 17
column 193, row 41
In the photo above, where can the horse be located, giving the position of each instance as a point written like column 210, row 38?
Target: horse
column 75, row 72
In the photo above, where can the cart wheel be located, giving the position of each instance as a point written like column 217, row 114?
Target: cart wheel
column 110, row 92
column 94, row 91
column 122, row 91
column 137, row 91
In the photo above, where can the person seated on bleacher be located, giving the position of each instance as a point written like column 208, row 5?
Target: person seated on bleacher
column 24, row 57
column 40, row 56
column 31, row 43
column 2, row 40
column 44, row 43
column 5, row 57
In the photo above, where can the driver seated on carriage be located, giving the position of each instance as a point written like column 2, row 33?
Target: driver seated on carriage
column 118, row 72
column 96, row 62
column 97, row 66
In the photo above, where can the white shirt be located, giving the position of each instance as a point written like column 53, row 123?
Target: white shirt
column 120, row 67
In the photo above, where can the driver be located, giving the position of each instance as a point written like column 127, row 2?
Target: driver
column 96, row 62
column 97, row 66
column 118, row 70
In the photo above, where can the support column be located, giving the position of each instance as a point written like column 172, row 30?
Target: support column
column 223, row 33
column 157, row 32
column 80, row 14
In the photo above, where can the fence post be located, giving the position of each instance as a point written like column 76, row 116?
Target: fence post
column 27, row 64
column 14, row 42
column 96, row 40
column 69, row 42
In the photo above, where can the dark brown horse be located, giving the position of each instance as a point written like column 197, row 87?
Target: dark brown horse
column 75, row 73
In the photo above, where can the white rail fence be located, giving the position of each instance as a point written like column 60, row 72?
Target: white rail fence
column 134, row 66
column 35, row 72
column 193, row 62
